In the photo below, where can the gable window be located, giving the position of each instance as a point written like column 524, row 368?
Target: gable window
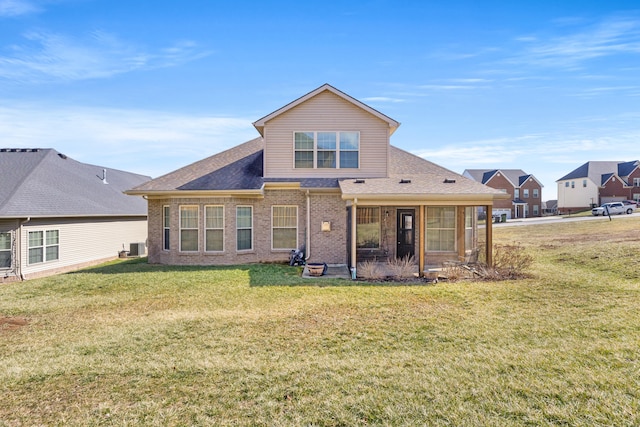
column 244, row 228
column 326, row 150
column 284, row 227
column 166, row 223
column 5, row 250
column 44, row 246
column 214, row 228
column 636, row 182
column 526, row 193
column 536, row 193
column 188, row 228
column 368, row 228
column 441, row 229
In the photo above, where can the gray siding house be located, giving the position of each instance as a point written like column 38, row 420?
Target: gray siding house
column 321, row 174
column 58, row 214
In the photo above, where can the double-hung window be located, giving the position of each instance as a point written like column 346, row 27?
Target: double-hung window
column 526, row 193
column 327, row 150
column 441, row 229
column 166, row 227
column 44, row 246
column 284, row 227
column 214, row 228
column 188, row 228
column 244, row 228
column 536, row 193
column 5, row 250
column 636, row 182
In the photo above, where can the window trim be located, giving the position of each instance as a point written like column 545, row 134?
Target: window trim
column 251, row 248
column 536, row 193
column 166, row 227
column 197, row 228
column 427, row 229
column 214, row 228
column 337, row 150
column 525, row 193
column 9, row 250
column 273, row 227
column 44, row 246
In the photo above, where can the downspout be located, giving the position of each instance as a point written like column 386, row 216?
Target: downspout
column 19, row 249
column 308, row 236
column 354, row 254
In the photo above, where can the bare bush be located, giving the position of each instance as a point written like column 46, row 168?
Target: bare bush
column 402, row 268
column 509, row 262
column 453, row 271
column 370, row 270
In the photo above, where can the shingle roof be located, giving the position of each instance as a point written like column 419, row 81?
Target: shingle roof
column 516, row 176
column 241, row 168
column 45, row 183
column 626, row 168
column 592, row 170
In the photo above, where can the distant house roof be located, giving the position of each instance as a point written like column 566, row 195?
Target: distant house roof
column 45, row 183
column 260, row 123
column 592, row 170
column 626, row 168
column 517, row 177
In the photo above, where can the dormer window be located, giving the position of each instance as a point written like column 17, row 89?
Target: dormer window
column 326, row 150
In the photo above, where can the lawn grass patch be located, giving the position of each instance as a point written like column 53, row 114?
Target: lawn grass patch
column 130, row 343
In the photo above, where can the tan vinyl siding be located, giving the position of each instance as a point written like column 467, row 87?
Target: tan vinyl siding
column 83, row 241
column 326, row 112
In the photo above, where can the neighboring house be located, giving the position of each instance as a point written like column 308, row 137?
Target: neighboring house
column 550, row 207
column 321, row 175
column 57, row 214
column 524, row 190
column 598, row 182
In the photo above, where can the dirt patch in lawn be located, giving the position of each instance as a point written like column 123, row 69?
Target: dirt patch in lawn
column 12, row 323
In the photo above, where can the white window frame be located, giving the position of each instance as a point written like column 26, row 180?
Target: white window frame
column 275, row 227
column 525, row 193
column 338, row 150
column 516, row 193
column 44, row 246
column 244, row 228
column 636, row 182
column 166, row 227
column 196, row 228
column 536, row 193
column 9, row 250
column 536, row 210
column 206, row 228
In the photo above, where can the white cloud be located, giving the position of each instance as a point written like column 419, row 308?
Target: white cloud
column 382, row 99
column 17, row 7
column 147, row 142
column 46, row 56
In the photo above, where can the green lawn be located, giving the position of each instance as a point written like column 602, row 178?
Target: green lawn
column 130, row 343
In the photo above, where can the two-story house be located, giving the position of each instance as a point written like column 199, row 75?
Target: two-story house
column 322, row 175
column 524, row 190
column 597, row 182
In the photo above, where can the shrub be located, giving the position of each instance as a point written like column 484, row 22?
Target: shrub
column 509, row 262
column 370, row 270
column 402, row 268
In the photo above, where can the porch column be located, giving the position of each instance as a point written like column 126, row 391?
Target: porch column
column 489, row 237
column 421, row 241
column 354, row 257
column 460, row 231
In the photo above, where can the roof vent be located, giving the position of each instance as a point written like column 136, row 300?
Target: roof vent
column 359, row 181
column 405, row 181
column 449, row 181
column 104, row 176
column 62, row 156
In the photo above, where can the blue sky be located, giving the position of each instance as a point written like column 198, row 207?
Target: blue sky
column 150, row 86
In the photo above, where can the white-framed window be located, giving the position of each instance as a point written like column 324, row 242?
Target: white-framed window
column 5, row 249
column 573, row 184
column 326, row 150
column 44, row 246
column 441, row 229
column 526, row 193
column 189, row 219
column 584, row 183
column 284, row 227
column 636, row 197
column 244, row 228
column 536, row 210
column 526, row 211
column 166, row 228
column 536, row 193
column 516, row 193
column 566, row 184
column 636, row 182
column 368, row 228
column 214, row 228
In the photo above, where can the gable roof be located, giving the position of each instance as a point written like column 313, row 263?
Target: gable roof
column 517, row 177
column 45, row 183
column 626, row 168
column 592, row 170
column 260, row 123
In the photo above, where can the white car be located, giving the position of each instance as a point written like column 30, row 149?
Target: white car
column 613, row 208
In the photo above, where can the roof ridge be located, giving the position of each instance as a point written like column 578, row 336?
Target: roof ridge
column 19, row 185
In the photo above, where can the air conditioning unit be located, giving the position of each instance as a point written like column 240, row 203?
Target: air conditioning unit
column 136, row 249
